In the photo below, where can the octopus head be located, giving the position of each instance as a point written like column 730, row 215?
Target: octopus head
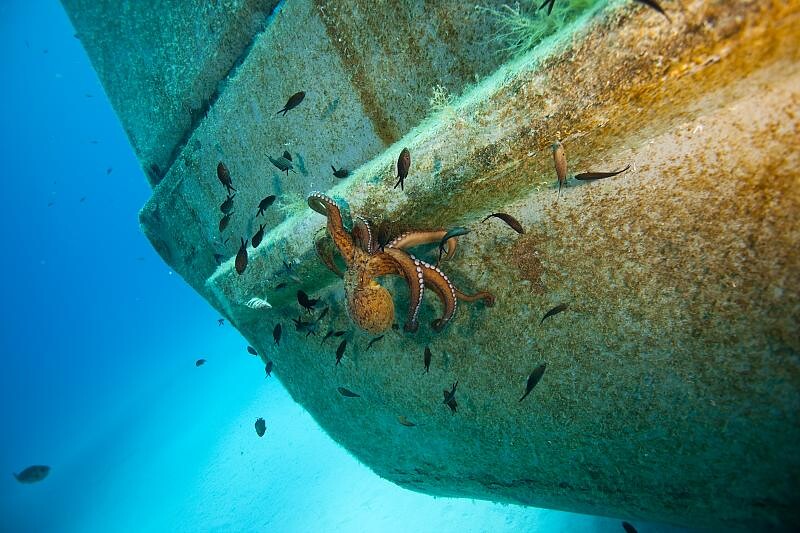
column 369, row 305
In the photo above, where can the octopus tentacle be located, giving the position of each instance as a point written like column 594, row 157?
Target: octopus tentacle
column 325, row 205
column 410, row 239
column 363, row 234
column 444, row 289
column 487, row 297
column 412, row 270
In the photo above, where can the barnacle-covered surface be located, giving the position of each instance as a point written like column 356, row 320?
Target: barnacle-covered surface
column 162, row 63
column 344, row 120
column 672, row 389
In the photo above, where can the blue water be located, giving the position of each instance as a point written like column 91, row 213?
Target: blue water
column 99, row 340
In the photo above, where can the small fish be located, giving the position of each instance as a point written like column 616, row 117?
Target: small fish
column 405, row 421
column 83, row 199
column 653, row 4
column 50, row 204
column 427, row 359
column 227, row 206
column 33, row 474
column 224, row 221
column 293, row 102
column 373, row 341
column 560, row 161
column 533, row 379
column 339, row 333
column 218, row 258
column 241, row 258
column 279, row 286
column 306, row 302
column 512, row 222
column 348, row 393
column 224, row 177
column 264, row 204
column 628, row 527
column 340, row 351
column 287, row 155
column 455, row 232
column 258, row 236
column 200, row 362
column 554, row 311
column 108, row 171
column 341, row 173
column 268, row 369
column 251, row 350
column 276, row 334
column 550, row 7
column 327, row 336
column 403, row 164
column 450, row 398
column 220, row 321
column 282, row 164
column 310, row 327
column 261, row 427
column 599, row 175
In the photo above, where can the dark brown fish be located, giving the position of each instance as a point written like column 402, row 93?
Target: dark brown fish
column 403, row 164
column 427, row 359
column 599, row 175
column 200, row 362
column 549, row 3
column 405, row 421
column 224, row 177
column 221, row 321
column 276, row 334
column 258, row 236
column 455, row 232
column 287, row 155
column 323, row 313
column 327, row 336
column 241, row 258
column 33, row 474
column 268, row 369
column 450, row 398
column 264, row 204
column 373, row 341
column 306, row 302
column 108, row 171
column 512, row 222
column 560, row 162
column 628, row 527
column 554, row 311
column 309, row 326
column 341, row 173
column 533, row 379
column 261, row 427
column 282, row 164
column 293, row 102
column 340, row 351
column 251, row 350
column 654, row 5
column 227, row 206
column 224, row 221
column 339, row 333
column 348, row 393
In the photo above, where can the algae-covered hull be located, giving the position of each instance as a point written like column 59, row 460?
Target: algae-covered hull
column 672, row 383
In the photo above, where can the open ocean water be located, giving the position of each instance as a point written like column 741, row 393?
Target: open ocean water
column 99, row 342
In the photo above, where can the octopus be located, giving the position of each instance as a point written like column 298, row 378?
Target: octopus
column 369, row 304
